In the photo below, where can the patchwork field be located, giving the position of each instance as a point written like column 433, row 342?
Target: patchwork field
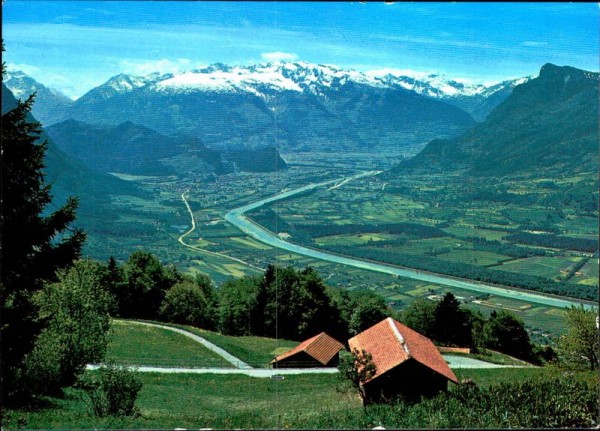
column 470, row 230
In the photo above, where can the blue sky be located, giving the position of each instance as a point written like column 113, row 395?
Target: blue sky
column 75, row 45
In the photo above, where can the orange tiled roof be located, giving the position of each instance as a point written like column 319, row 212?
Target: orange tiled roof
column 322, row 347
column 391, row 343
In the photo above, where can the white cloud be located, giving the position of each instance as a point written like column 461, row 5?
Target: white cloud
column 145, row 67
column 28, row 69
column 533, row 43
column 278, row 56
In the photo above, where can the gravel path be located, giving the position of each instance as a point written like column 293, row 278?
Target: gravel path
column 254, row 372
column 463, row 362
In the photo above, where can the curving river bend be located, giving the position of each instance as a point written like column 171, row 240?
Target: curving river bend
column 237, row 218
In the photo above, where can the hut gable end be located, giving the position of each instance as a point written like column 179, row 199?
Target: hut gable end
column 392, row 344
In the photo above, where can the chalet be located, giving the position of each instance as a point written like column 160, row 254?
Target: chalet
column 408, row 365
column 318, row 351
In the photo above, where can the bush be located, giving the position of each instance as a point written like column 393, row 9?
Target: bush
column 76, row 312
column 115, row 393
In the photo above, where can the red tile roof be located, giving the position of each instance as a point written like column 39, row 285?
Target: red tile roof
column 391, row 343
column 322, row 347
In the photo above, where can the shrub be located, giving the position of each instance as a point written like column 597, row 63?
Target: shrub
column 75, row 309
column 115, row 393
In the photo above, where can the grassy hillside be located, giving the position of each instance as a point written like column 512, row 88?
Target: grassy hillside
column 255, row 351
column 134, row 344
column 236, row 401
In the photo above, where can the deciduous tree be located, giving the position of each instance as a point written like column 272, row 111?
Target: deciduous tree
column 579, row 346
column 504, row 332
column 76, row 309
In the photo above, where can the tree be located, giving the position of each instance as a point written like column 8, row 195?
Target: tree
column 35, row 242
column 146, row 281
column 579, row 346
column 357, row 368
column 185, row 303
column 76, row 309
column 299, row 304
column 113, row 279
column 237, row 305
column 452, row 324
column 369, row 309
column 420, row 316
column 207, row 286
column 504, row 332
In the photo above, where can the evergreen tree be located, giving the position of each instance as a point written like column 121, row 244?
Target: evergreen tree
column 452, row 324
column 35, row 242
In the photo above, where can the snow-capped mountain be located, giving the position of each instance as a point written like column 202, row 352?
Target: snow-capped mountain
column 299, row 77
column 301, row 105
column 49, row 103
column 264, row 80
column 121, row 84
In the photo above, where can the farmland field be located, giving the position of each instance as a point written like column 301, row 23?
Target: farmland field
column 551, row 267
column 459, row 234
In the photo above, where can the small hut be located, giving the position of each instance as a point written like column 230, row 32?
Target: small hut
column 318, row 351
column 408, row 364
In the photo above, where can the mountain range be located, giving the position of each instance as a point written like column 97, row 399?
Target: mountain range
column 136, row 124
column 547, row 126
column 302, row 106
column 129, row 148
column 69, row 176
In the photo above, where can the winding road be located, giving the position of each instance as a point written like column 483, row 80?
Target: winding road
column 200, row 249
column 237, row 218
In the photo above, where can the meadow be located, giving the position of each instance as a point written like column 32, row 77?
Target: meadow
column 132, row 344
column 193, row 401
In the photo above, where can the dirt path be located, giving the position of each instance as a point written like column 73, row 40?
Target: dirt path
column 254, row 372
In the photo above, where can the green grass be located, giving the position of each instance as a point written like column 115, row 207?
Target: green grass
column 134, row 344
column 473, row 257
column 589, row 273
column 202, row 401
column 468, row 231
column 255, row 351
column 237, row 401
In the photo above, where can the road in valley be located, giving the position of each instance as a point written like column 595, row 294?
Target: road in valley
column 237, row 218
column 200, row 249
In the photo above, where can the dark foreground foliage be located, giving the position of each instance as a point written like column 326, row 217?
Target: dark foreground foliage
column 532, row 403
